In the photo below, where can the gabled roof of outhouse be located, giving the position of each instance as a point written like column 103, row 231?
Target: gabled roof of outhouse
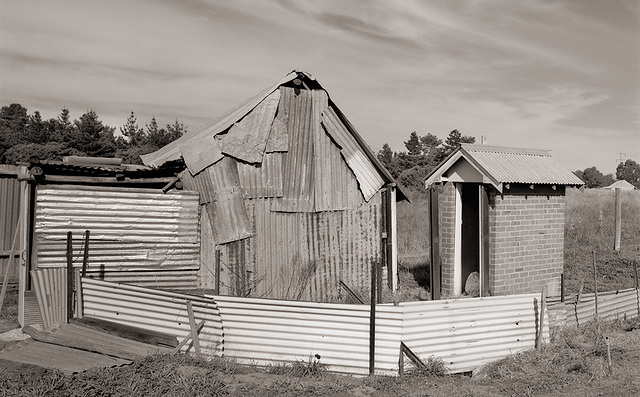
column 502, row 165
column 625, row 185
column 199, row 150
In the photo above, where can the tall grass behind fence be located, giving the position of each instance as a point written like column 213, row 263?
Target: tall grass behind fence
column 590, row 225
column 413, row 230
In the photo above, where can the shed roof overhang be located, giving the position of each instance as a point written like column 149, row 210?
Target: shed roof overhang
column 461, row 161
column 498, row 166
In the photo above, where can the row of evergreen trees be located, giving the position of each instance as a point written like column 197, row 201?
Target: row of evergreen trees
column 27, row 137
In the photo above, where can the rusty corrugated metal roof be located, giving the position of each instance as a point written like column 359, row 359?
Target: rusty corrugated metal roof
column 368, row 178
column 247, row 139
column 197, row 157
column 501, row 165
column 217, row 125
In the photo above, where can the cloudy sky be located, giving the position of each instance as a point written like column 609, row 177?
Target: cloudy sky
column 561, row 75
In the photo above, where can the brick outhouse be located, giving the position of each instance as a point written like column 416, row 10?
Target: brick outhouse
column 499, row 212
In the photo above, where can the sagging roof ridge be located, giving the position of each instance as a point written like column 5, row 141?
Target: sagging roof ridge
column 224, row 121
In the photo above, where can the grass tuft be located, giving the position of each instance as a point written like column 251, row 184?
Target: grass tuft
column 312, row 368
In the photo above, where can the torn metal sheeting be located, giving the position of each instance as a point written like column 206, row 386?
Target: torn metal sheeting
column 200, row 153
column 367, row 175
column 247, row 139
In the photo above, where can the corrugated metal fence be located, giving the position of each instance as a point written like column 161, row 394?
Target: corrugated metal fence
column 264, row 332
column 51, row 290
column 154, row 310
column 611, row 305
column 468, row 333
column 465, row 333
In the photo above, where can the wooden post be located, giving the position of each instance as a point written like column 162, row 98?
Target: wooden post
column 85, row 257
column 217, row 272
column 372, row 321
column 616, row 244
column 401, row 362
column 69, row 276
column 595, row 281
column 79, row 309
column 562, row 287
column 636, row 268
column 189, row 336
column 606, row 341
column 543, row 301
column 194, row 328
column 434, row 230
column 579, row 296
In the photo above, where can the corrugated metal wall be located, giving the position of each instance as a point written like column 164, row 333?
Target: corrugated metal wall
column 154, row 310
column 298, row 255
column 611, row 305
column 467, row 333
column 51, row 290
column 9, row 207
column 267, row 332
column 304, row 224
column 130, row 229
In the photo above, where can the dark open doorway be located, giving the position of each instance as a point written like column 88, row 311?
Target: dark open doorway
column 470, row 246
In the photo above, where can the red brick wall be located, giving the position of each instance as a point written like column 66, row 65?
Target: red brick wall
column 447, row 235
column 526, row 233
column 526, row 239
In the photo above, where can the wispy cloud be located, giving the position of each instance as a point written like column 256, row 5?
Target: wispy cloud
column 536, row 73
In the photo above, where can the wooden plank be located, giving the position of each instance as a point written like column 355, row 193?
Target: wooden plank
column 91, row 180
column 69, row 277
column 12, row 256
column 404, row 349
column 618, row 221
column 85, row 257
column 194, row 330
column 353, row 294
column 484, row 225
column 88, row 339
column 188, row 337
column 372, row 321
column 127, row 331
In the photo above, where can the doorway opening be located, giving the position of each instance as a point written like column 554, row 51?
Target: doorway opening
column 469, row 255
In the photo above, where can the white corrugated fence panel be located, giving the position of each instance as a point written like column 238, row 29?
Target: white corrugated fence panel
column 611, row 305
column 468, row 333
column 154, row 310
column 267, row 332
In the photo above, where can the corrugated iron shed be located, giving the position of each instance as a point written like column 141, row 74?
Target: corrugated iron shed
column 501, row 165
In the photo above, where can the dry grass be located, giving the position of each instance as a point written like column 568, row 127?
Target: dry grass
column 589, row 226
column 574, row 364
